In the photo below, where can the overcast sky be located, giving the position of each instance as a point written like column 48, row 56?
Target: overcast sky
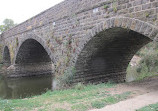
column 21, row 10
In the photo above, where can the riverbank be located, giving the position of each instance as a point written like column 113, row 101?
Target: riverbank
column 82, row 98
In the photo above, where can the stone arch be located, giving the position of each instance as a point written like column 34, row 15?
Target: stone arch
column 109, row 47
column 38, row 39
column 33, row 57
column 6, row 56
column 31, row 51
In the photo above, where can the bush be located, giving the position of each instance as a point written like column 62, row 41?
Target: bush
column 148, row 65
column 68, row 77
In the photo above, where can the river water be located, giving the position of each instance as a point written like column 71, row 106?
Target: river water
column 17, row 88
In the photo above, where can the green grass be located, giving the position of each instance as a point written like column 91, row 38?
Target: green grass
column 80, row 98
column 60, row 109
column 152, row 107
column 80, row 107
column 110, row 100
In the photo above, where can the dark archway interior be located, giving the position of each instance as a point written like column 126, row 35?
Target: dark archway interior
column 107, row 55
column 32, row 60
column 32, row 51
column 6, row 56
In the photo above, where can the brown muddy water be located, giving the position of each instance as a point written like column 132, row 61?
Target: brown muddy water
column 18, row 88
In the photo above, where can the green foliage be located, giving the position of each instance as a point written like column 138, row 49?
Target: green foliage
column 152, row 46
column 147, row 15
column 68, row 77
column 149, row 63
column 148, row 66
column 7, row 24
column 106, row 6
column 114, row 5
column 115, row 9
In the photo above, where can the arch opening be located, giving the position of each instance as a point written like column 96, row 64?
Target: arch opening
column 107, row 55
column 32, row 59
column 6, row 57
column 144, row 63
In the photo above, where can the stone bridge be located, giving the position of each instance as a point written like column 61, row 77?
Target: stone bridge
column 81, row 40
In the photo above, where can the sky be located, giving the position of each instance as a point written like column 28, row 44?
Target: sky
column 21, row 10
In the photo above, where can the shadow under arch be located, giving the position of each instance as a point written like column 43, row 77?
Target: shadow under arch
column 39, row 40
column 6, row 56
column 33, row 58
column 109, row 47
column 31, row 51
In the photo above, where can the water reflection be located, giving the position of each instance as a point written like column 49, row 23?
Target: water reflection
column 14, row 88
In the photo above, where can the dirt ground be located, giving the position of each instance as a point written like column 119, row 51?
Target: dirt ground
column 144, row 92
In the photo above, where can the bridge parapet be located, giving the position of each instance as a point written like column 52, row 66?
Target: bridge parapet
column 145, row 10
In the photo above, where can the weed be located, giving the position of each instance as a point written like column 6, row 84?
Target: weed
column 147, row 15
column 68, row 77
column 98, row 104
column 106, row 7
column 114, row 5
column 115, row 9
column 79, row 86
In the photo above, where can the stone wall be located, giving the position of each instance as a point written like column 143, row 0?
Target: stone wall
column 67, row 29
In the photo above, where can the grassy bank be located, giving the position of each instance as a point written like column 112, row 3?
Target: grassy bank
column 152, row 107
column 80, row 98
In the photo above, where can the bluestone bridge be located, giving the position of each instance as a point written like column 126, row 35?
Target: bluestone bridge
column 96, row 38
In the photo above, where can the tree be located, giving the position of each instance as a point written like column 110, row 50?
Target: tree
column 7, row 24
